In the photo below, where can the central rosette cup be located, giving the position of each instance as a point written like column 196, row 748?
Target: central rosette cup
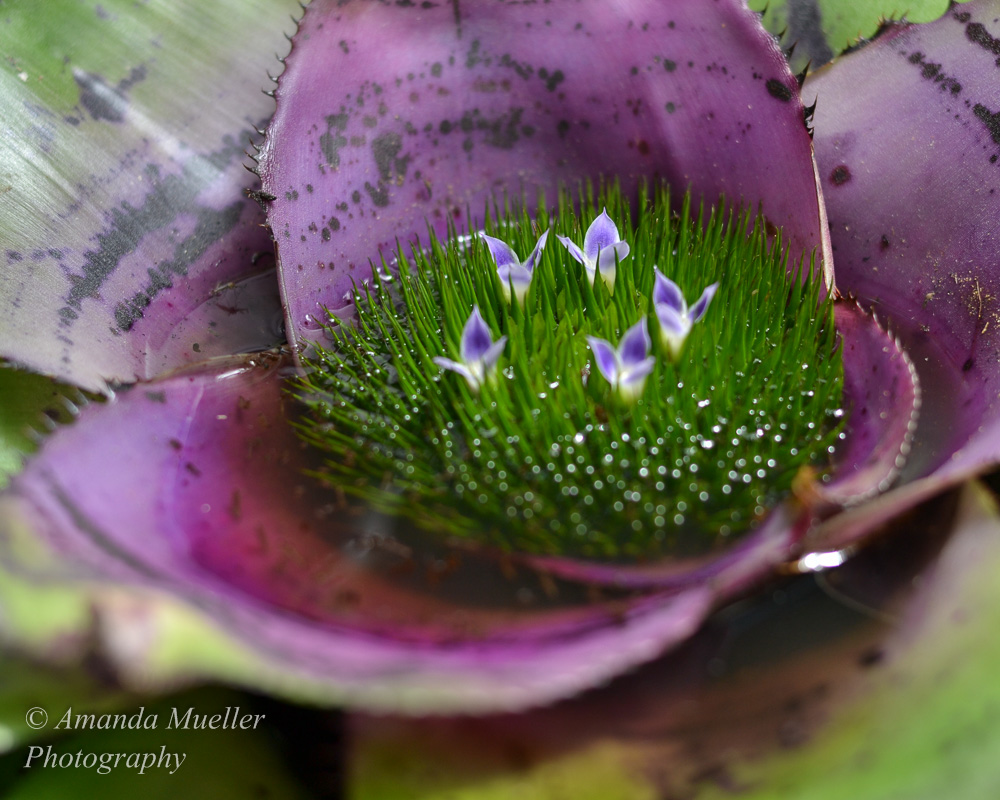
column 543, row 385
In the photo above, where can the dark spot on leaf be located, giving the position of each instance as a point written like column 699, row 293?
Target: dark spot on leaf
column 669, row 65
column 643, row 147
column 670, row 107
column 883, row 243
column 192, row 469
column 963, row 16
column 933, row 72
column 989, row 119
column 157, row 397
column 176, row 444
column 356, row 196
column 169, row 197
column 840, row 175
column 562, row 128
column 436, row 69
column 473, row 58
column 778, row 90
column 969, row 364
column 525, row 71
column 331, row 141
column 391, row 168
column 325, row 234
column 196, row 347
column 379, row 194
column 105, row 102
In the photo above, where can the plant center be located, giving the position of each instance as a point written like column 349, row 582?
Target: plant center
column 606, row 380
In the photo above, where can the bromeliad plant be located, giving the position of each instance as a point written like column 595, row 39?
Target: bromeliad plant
column 225, row 560
column 558, row 441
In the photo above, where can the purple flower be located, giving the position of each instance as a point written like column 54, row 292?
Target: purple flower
column 673, row 313
column 181, row 510
column 479, row 353
column 627, row 366
column 512, row 272
column 602, row 250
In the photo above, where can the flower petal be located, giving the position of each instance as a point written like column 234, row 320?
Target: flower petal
column 123, row 163
column 635, row 344
column 607, row 262
column 476, row 337
column 426, row 110
column 666, row 292
column 601, row 235
column 671, row 323
column 455, row 366
column 492, row 355
column 501, row 252
column 179, row 492
column 574, row 249
column 536, row 253
column 698, row 309
column 606, row 358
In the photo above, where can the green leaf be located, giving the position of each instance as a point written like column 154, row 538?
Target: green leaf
column 822, row 29
column 24, row 398
column 926, row 727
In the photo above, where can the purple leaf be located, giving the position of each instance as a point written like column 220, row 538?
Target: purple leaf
column 393, row 115
column 913, row 211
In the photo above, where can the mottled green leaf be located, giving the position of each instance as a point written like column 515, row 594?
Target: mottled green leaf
column 821, row 29
column 24, row 399
column 121, row 172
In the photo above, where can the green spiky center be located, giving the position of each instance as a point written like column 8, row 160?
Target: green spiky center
column 548, row 458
